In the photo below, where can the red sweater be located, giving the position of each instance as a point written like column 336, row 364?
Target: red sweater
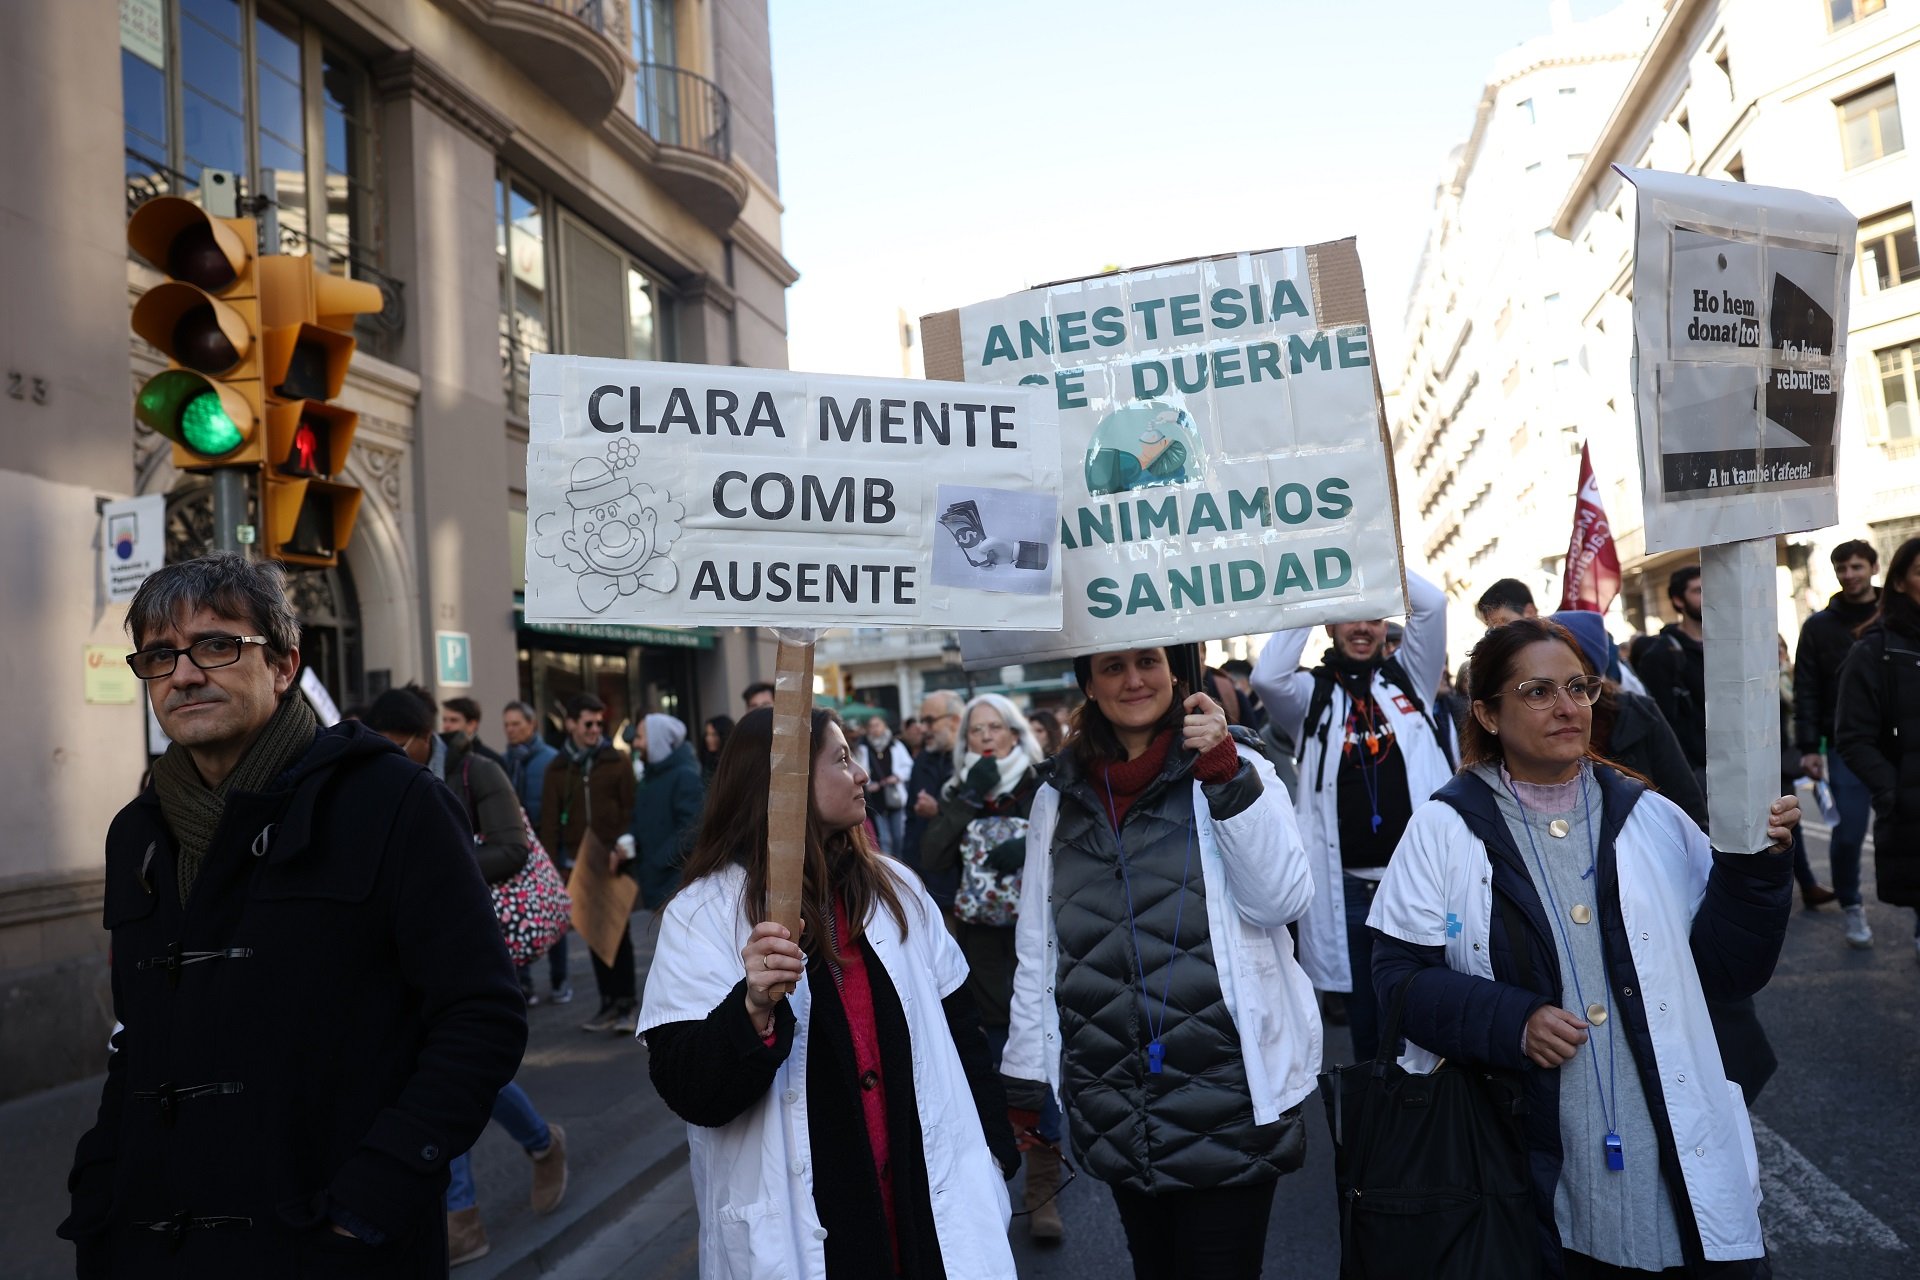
column 1128, row 778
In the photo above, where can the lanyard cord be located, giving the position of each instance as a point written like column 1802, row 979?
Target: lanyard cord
column 1610, row 1098
column 1368, row 767
column 1133, row 925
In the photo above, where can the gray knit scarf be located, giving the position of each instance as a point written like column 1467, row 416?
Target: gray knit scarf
column 193, row 810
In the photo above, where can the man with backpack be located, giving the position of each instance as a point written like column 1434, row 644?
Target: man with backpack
column 1368, row 755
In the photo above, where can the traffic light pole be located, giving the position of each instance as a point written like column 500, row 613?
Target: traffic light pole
column 232, row 530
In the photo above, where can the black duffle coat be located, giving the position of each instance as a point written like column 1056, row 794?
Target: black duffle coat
column 311, row 1039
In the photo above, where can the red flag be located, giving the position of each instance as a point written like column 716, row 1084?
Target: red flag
column 1593, row 567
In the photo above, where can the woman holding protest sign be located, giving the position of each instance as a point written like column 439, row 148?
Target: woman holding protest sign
column 774, row 1055
column 1157, row 996
column 980, row 837
column 1567, row 923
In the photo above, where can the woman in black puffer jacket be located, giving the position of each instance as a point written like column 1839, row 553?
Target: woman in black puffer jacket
column 1877, row 728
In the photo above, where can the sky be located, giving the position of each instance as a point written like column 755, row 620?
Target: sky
column 938, row 154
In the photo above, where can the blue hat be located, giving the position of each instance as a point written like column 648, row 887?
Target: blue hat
column 1590, row 629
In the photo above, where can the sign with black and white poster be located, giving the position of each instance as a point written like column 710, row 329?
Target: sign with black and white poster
column 1740, row 324
column 679, row 494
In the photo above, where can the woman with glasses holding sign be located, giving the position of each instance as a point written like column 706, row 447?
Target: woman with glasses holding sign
column 1156, row 994
column 840, row 1104
column 1568, row 923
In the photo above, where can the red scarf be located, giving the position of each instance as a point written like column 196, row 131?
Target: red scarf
column 1126, row 780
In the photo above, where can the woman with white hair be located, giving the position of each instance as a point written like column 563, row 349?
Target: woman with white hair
column 981, row 830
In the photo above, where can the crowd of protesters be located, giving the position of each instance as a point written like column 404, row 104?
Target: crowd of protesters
column 1036, row 940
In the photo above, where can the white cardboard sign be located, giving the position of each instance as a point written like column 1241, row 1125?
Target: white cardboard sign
column 1740, row 300
column 1225, row 463
column 711, row 496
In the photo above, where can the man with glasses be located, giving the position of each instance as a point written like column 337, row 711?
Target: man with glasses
column 315, row 1001
column 939, row 720
column 1368, row 752
column 590, row 787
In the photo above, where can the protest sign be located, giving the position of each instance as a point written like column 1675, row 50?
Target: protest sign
column 1227, row 467
column 1740, row 329
column 692, row 494
column 602, row 897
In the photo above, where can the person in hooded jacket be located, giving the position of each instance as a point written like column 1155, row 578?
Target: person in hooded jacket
column 995, row 776
column 1546, row 914
column 1628, row 728
column 666, row 806
column 1156, row 997
column 404, row 716
column 1876, row 716
column 842, row 1117
column 316, row 1005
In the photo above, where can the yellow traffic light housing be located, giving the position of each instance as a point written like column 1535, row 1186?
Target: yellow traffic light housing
column 206, row 320
column 307, row 511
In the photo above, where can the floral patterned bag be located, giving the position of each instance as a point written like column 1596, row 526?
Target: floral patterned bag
column 532, row 904
column 985, row 897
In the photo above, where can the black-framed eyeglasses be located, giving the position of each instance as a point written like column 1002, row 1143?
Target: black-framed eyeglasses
column 206, row 653
column 1541, row 694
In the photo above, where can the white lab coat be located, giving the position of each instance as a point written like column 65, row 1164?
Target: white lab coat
column 753, row 1177
column 1256, row 878
column 1440, row 874
column 1286, row 692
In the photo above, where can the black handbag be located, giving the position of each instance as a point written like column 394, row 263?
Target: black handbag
column 1432, row 1169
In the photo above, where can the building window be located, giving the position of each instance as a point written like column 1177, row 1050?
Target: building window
column 245, row 86
column 1844, row 13
column 1737, row 168
column 605, row 302
column 1525, row 108
column 1542, row 239
column 1870, row 124
column 1534, row 167
column 1899, row 403
column 656, row 87
column 1888, row 253
column 520, row 239
column 1566, row 91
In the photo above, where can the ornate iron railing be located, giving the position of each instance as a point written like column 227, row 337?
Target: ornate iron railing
column 584, row 11
column 683, row 109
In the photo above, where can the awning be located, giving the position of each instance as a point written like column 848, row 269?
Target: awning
column 662, row 637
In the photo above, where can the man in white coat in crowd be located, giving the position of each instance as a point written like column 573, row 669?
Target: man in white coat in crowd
column 1369, row 756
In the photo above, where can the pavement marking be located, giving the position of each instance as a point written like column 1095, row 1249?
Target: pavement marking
column 1803, row 1206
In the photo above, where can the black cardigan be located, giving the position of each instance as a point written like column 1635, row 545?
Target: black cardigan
column 711, row 1071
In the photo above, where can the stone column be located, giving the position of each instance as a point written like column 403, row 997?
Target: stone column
column 440, row 144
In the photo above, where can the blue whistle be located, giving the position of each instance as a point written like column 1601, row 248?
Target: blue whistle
column 1376, row 822
column 1157, row 1057
column 1616, row 1158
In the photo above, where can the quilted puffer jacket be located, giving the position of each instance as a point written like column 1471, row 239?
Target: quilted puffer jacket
column 1189, row 1126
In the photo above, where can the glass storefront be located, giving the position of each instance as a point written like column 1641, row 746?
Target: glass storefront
column 636, row 671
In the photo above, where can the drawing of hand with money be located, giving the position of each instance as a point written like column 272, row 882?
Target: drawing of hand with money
column 983, row 551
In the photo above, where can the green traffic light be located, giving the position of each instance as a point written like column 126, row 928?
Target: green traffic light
column 207, row 428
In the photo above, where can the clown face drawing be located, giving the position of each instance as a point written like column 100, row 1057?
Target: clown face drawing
column 614, row 535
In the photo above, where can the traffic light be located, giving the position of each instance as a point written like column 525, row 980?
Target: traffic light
column 307, row 511
column 205, row 317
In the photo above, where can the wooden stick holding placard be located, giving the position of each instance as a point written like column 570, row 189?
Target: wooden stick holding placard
column 790, row 784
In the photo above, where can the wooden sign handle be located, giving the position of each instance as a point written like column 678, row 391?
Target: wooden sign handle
column 788, row 788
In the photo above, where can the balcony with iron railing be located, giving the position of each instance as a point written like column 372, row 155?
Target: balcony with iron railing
column 688, row 123
column 562, row 45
